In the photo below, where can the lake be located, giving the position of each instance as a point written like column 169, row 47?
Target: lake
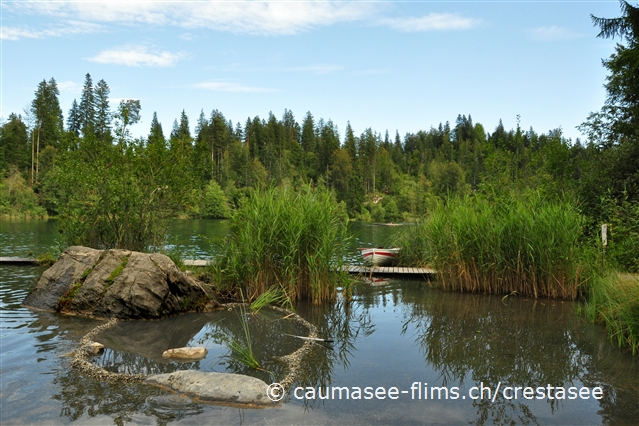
column 417, row 355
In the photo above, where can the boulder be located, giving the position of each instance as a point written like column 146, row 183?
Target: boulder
column 117, row 283
column 224, row 388
column 59, row 278
column 189, row 354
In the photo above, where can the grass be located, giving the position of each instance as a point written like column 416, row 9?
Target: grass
column 67, row 298
column 47, row 259
column 289, row 240
column 269, row 297
column 614, row 301
column 243, row 351
column 522, row 244
column 116, row 272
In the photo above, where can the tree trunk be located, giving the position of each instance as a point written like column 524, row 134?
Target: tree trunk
column 38, row 156
column 32, row 156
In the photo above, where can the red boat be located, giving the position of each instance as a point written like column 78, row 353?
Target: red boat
column 380, row 256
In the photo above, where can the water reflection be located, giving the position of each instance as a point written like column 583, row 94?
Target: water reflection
column 343, row 322
column 389, row 335
column 135, row 347
column 471, row 339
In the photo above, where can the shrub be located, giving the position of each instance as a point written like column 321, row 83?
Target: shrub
column 118, row 196
column 215, row 204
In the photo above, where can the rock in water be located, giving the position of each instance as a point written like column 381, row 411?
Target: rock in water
column 225, row 388
column 59, row 278
column 117, row 283
column 94, row 348
column 189, row 354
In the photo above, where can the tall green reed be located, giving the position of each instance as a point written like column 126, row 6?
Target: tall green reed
column 242, row 351
column 614, row 301
column 524, row 244
column 290, row 240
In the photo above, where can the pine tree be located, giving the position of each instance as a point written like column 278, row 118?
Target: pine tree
column 309, row 145
column 350, row 142
column 87, row 107
column 102, row 112
column 73, row 119
column 49, row 120
column 14, row 144
column 619, row 117
column 156, row 135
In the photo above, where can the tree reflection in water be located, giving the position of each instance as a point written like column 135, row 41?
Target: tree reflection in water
column 470, row 339
column 341, row 321
column 464, row 339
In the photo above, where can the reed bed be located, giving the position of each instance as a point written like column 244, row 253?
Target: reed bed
column 614, row 301
column 525, row 245
column 289, row 240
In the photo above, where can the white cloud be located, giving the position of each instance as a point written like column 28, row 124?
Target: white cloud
column 71, row 28
column 246, row 17
column 432, row 22
column 224, row 86
column 552, row 33
column 136, row 56
column 241, row 17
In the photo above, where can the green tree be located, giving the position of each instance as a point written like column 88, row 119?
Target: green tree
column 14, row 144
column 615, row 127
column 447, row 178
column 49, row 121
column 341, row 169
column 309, row 145
column 215, row 204
column 156, row 135
column 128, row 114
column 102, row 111
column 73, row 119
column 621, row 109
column 87, row 106
column 119, row 195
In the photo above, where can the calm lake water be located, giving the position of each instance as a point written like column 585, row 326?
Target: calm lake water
column 390, row 335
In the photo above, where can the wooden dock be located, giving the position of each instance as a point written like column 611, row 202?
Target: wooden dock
column 196, row 262
column 18, row 261
column 387, row 270
column 351, row 269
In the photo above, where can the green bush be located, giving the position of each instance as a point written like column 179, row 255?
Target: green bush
column 215, row 204
column 118, row 196
column 17, row 199
column 622, row 252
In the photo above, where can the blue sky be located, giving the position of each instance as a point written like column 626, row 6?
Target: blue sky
column 388, row 65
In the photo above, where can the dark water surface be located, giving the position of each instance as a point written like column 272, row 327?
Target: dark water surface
column 390, row 335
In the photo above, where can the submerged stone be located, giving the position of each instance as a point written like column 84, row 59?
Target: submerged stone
column 186, row 353
column 223, row 388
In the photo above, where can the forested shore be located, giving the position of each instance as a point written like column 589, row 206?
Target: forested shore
column 56, row 166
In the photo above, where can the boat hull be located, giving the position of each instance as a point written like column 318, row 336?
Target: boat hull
column 379, row 256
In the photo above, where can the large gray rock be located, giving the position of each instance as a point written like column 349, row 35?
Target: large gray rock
column 117, row 283
column 59, row 278
column 224, row 388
